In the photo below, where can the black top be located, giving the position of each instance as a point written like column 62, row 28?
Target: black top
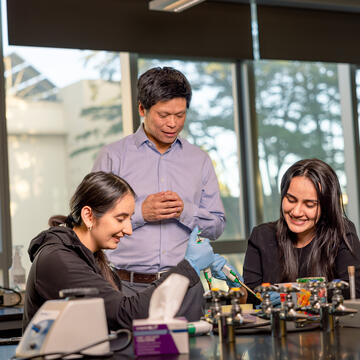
column 61, row 261
column 262, row 257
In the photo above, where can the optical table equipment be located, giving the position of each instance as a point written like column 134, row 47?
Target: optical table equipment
column 326, row 313
column 67, row 325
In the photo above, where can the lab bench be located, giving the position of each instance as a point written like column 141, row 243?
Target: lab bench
column 10, row 322
column 344, row 343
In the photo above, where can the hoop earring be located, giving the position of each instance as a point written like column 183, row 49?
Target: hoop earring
column 90, row 227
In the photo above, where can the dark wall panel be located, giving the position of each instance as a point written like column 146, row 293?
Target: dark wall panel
column 211, row 29
column 310, row 35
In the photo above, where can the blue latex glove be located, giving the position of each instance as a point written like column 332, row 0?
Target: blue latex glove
column 216, row 270
column 199, row 254
column 275, row 298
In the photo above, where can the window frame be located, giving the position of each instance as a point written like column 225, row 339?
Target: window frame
column 246, row 132
column 5, row 217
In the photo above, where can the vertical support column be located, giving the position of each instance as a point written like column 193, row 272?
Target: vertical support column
column 129, row 73
column 249, row 161
column 350, row 122
column 5, row 220
column 243, row 198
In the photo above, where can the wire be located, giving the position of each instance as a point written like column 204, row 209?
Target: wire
column 129, row 338
column 62, row 355
column 13, row 291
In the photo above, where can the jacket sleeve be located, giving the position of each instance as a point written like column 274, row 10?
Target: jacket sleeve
column 253, row 274
column 63, row 269
column 209, row 214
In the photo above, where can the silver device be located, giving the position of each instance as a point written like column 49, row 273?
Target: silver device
column 67, row 325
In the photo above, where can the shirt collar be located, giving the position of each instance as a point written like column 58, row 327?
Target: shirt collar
column 141, row 138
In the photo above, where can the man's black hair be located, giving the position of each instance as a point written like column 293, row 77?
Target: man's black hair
column 162, row 84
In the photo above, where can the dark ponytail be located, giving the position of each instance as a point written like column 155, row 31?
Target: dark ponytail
column 61, row 220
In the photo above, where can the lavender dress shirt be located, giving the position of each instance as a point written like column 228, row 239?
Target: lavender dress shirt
column 184, row 169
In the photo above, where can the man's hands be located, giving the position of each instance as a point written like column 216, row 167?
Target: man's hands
column 161, row 206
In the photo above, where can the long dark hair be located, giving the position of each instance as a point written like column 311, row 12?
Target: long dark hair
column 100, row 191
column 329, row 230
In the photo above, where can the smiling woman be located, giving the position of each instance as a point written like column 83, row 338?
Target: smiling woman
column 70, row 253
column 312, row 237
column 105, row 232
column 301, row 209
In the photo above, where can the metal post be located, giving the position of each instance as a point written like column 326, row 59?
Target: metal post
column 129, row 73
column 5, row 219
column 350, row 122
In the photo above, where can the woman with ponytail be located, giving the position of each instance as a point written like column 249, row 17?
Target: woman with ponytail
column 70, row 253
column 312, row 237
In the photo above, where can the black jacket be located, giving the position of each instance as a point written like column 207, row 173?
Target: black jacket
column 61, row 261
column 262, row 257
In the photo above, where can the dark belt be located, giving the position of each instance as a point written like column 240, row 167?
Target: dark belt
column 138, row 277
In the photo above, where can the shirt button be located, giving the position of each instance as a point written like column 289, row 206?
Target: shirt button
column 163, row 252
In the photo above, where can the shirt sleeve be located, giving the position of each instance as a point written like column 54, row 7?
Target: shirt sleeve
column 209, row 215
column 347, row 257
column 253, row 274
column 62, row 269
column 103, row 162
column 107, row 162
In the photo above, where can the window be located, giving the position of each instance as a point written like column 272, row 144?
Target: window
column 62, row 106
column 298, row 116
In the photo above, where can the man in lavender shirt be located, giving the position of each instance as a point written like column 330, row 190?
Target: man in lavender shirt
column 175, row 184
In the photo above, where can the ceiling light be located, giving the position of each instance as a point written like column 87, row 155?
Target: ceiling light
column 172, row 5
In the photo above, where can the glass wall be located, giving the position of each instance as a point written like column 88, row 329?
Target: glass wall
column 298, row 117
column 210, row 125
column 62, row 106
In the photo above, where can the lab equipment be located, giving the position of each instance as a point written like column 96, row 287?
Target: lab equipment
column 199, row 239
column 279, row 316
column 275, row 298
column 225, row 322
column 223, row 271
column 17, row 274
column 208, row 277
column 352, row 320
column 328, row 312
column 67, row 325
column 217, row 268
column 305, row 284
column 9, row 297
column 289, row 311
column 199, row 327
column 232, row 276
column 351, row 272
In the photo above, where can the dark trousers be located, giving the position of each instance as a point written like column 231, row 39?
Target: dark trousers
column 192, row 306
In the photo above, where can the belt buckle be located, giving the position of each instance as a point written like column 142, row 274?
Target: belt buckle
column 158, row 275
